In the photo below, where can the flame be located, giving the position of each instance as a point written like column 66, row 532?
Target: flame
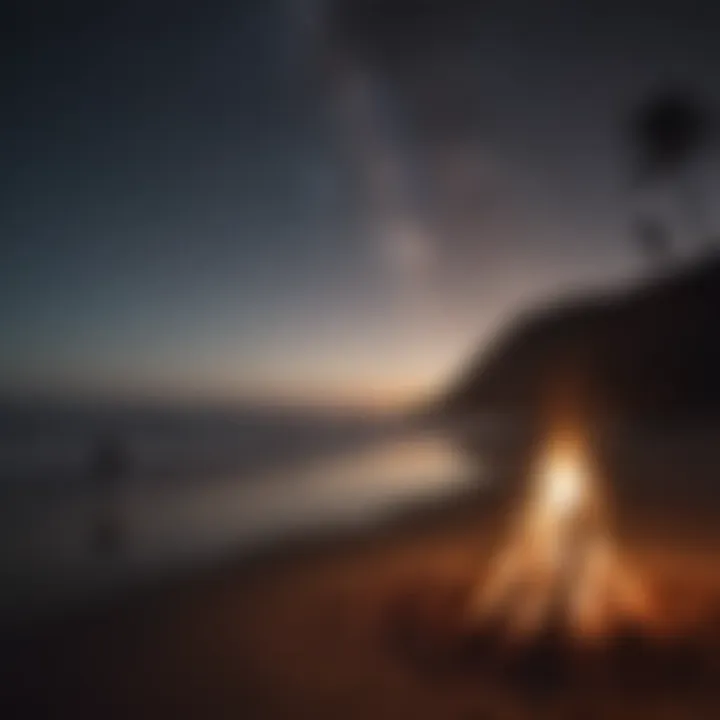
column 561, row 564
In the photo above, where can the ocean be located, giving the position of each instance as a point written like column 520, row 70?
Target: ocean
column 95, row 500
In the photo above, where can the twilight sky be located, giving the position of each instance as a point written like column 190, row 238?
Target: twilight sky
column 313, row 200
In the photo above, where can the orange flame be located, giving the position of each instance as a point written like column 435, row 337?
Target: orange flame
column 561, row 564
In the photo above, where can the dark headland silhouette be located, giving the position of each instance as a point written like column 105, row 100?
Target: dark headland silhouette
column 648, row 353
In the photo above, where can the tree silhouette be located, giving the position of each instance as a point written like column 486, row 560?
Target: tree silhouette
column 667, row 132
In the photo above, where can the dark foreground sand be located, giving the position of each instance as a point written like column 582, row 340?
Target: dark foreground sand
column 315, row 630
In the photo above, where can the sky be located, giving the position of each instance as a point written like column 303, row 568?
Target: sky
column 314, row 200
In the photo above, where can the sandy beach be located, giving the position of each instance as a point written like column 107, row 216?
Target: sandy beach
column 315, row 629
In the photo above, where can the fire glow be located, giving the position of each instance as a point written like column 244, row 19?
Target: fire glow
column 561, row 568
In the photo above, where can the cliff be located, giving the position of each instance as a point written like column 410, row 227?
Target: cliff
column 650, row 351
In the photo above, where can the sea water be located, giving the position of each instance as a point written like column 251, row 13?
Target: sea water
column 195, row 487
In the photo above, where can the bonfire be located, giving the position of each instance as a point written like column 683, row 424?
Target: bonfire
column 561, row 568
column 563, row 604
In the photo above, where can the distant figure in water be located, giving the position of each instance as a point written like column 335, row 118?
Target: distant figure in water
column 108, row 468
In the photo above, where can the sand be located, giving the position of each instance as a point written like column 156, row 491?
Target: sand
column 357, row 626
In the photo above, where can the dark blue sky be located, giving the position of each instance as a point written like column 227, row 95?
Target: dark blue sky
column 312, row 200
